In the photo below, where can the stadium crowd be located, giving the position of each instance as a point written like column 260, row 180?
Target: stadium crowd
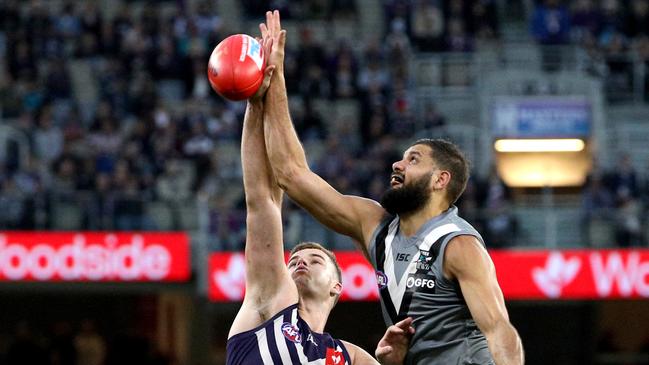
column 112, row 114
column 613, row 33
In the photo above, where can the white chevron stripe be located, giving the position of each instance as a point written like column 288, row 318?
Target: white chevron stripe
column 388, row 266
column 280, row 340
column 398, row 288
column 262, row 342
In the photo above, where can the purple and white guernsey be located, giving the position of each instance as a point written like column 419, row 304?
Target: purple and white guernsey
column 285, row 339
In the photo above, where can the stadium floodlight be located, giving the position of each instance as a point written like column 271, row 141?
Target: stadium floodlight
column 539, row 145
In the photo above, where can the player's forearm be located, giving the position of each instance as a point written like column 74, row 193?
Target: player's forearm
column 257, row 176
column 284, row 149
column 505, row 345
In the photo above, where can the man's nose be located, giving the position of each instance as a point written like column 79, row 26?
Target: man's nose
column 300, row 261
column 398, row 166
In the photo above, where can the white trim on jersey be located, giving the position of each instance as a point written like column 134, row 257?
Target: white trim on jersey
column 281, row 341
column 262, row 342
column 397, row 288
column 389, row 260
column 298, row 346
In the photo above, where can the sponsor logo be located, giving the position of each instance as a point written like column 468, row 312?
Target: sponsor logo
column 556, row 274
column 381, row 280
column 254, row 52
column 334, row 356
column 403, row 257
column 630, row 274
column 291, row 332
column 425, row 283
column 232, row 279
column 85, row 257
column 424, row 261
column 309, row 338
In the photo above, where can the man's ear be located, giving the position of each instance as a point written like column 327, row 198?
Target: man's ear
column 442, row 180
column 337, row 289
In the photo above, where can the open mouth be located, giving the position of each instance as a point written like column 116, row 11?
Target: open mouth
column 396, row 179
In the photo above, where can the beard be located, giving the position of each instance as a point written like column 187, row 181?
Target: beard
column 408, row 198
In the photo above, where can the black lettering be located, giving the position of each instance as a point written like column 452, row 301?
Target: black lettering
column 403, row 257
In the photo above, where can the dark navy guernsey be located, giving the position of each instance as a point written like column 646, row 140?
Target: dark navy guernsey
column 285, row 339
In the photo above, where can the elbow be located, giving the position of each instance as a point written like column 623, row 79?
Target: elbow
column 259, row 203
column 288, row 175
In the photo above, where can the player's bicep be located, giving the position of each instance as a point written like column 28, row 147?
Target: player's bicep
column 349, row 215
column 264, row 252
column 469, row 263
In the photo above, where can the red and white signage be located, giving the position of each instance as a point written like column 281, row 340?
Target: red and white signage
column 573, row 274
column 525, row 274
column 227, row 277
column 94, row 256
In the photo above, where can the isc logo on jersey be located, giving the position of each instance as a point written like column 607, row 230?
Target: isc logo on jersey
column 424, row 283
column 292, row 332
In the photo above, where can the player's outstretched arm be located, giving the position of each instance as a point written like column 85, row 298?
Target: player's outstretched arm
column 266, row 273
column 467, row 260
column 353, row 216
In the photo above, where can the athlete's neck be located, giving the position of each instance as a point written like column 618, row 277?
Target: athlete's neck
column 410, row 223
column 315, row 312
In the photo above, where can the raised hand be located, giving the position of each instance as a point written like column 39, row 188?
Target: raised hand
column 273, row 29
column 393, row 347
column 267, row 44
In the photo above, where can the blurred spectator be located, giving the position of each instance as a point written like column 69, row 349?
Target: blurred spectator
column 628, row 228
column 585, row 20
column 62, row 350
column 12, row 201
column 428, row 25
column 637, row 19
column 611, row 21
column 89, row 345
column 342, row 70
column 433, row 120
column 550, row 27
column 25, row 349
column 457, row 39
column 551, row 23
column 500, row 224
column 596, row 205
column 484, row 24
column 624, row 180
column 308, row 122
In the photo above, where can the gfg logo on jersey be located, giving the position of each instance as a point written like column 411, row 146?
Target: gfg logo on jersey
column 292, row 332
column 425, row 283
column 381, row 280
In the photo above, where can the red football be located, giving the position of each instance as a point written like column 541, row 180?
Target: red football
column 236, row 67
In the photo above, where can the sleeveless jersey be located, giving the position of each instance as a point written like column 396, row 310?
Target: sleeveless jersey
column 409, row 272
column 285, row 339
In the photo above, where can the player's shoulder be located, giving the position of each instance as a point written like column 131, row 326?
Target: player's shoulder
column 464, row 252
